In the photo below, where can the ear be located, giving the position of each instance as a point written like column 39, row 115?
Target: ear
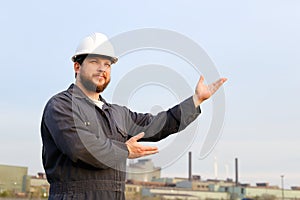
column 76, row 67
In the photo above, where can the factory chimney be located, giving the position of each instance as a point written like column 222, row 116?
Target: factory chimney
column 190, row 166
column 236, row 172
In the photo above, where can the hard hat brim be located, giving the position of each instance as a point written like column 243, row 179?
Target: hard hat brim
column 113, row 59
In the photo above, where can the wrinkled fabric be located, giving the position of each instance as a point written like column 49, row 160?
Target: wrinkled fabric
column 84, row 151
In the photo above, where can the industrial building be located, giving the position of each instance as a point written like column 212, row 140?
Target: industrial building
column 208, row 189
column 13, row 178
column 15, row 182
column 192, row 187
column 144, row 170
column 144, row 181
column 253, row 192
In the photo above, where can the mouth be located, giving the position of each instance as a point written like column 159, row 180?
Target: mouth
column 99, row 76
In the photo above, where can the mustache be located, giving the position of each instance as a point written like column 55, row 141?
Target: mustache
column 100, row 74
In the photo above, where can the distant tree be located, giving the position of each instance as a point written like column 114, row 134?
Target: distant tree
column 7, row 193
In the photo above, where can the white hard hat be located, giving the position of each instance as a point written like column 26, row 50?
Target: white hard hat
column 96, row 43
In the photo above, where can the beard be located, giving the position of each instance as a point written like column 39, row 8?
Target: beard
column 91, row 86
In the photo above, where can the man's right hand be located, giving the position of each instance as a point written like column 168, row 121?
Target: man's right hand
column 137, row 150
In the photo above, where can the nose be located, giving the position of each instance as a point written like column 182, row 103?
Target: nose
column 103, row 67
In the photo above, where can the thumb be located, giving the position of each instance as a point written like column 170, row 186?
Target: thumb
column 139, row 136
column 201, row 79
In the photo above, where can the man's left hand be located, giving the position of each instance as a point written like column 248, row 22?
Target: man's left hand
column 204, row 92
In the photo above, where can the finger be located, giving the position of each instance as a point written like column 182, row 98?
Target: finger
column 201, row 80
column 138, row 136
column 223, row 80
column 220, row 82
column 150, row 152
column 149, row 148
column 216, row 85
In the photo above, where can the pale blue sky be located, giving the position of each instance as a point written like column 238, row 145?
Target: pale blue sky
column 254, row 43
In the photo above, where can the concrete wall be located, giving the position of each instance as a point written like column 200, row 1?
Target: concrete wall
column 288, row 194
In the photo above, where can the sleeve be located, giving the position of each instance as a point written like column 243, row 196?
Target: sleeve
column 72, row 137
column 164, row 123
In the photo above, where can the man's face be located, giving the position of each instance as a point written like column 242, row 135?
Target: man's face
column 94, row 73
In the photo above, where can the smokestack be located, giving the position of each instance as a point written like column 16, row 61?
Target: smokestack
column 236, row 172
column 216, row 168
column 190, row 166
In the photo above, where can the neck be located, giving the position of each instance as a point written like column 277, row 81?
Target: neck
column 91, row 94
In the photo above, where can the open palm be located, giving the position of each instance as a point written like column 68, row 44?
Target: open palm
column 203, row 92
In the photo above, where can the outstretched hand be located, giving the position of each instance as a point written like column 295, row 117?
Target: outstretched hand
column 203, row 92
column 137, row 150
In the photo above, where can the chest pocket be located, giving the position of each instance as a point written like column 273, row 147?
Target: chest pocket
column 121, row 132
column 115, row 130
column 104, row 122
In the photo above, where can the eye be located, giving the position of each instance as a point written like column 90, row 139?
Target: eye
column 93, row 61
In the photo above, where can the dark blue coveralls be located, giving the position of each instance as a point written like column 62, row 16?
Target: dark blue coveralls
column 84, row 151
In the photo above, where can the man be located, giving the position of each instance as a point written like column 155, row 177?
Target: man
column 86, row 140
